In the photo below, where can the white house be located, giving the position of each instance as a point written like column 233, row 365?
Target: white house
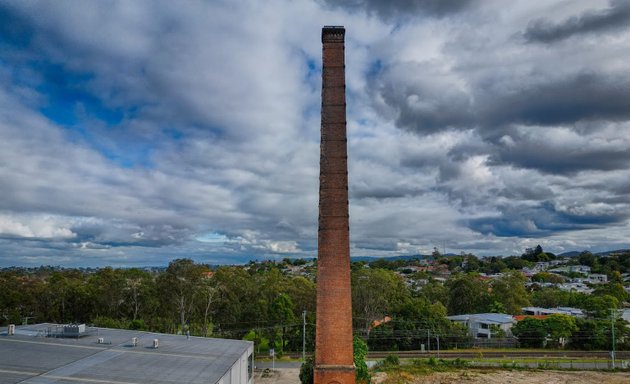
column 485, row 325
column 537, row 311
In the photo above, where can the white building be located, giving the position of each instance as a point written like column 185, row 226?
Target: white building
column 597, row 278
column 537, row 311
column 50, row 353
column 579, row 287
column 485, row 325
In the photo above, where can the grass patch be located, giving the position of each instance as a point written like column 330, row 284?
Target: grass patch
column 391, row 364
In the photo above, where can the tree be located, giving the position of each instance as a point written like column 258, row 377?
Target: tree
column 554, row 297
column 435, row 292
column 240, row 302
column 360, row 350
column 613, row 289
column 179, row 285
column 509, row 290
column 283, row 316
column 587, row 258
column 546, row 277
column 590, row 335
column 374, row 293
column 106, row 287
column 531, row 333
column 307, row 371
column 413, row 321
column 599, row 307
column 467, row 294
column 471, row 264
column 559, row 328
column 207, row 293
column 139, row 289
column 537, row 254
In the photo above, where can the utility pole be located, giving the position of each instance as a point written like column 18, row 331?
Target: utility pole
column 438, row 346
column 612, row 323
column 304, row 336
column 428, row 339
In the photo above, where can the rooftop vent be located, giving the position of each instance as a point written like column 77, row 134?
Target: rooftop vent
column 73, row 330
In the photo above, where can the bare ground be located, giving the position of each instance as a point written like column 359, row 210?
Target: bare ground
column 468, row 376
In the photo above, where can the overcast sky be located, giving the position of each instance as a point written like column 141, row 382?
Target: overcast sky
column 137, row 132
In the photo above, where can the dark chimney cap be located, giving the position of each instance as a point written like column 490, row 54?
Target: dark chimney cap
column 332, row 33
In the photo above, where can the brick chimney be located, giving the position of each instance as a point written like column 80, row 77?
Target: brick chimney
column 334, row 363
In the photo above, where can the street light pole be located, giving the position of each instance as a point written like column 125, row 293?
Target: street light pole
column 612, row 322
column 304, row 336
column 438, row 346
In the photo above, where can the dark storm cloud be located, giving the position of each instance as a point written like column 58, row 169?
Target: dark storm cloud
column 404, row 8
column 594, row 21
column 384, row 192
column 541, row 220
column 583, row 96
column 561, row 160
column 422, row 101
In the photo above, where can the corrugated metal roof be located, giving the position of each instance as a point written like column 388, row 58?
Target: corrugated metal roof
column 29, row 357
column 498, row 318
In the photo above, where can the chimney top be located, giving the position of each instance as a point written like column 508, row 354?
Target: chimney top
column 332, row 33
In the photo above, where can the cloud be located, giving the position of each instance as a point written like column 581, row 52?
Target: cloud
column 569, row 99
column 422, row 98
column 42, row 227
column 545, row 219
column 132, row 131
column 617, row 16
column 562, row 150
column 404, row 8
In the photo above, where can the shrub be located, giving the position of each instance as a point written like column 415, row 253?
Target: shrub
column 306, row 371
column 392, row 360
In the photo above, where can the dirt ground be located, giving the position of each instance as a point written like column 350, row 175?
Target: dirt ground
column 470, row 376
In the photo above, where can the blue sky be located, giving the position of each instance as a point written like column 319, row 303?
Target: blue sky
column 137, row 132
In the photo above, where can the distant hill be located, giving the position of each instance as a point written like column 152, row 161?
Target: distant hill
column 403, row 257
column 570, row 254
column 604, row 253
column 419, row 256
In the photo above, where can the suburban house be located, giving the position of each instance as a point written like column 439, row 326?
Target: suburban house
column 576, row 287
column 537, row 311
column 486, row 325
column 584, row 269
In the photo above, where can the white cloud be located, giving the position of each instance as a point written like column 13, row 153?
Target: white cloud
column 37, row 226
column 194, row 130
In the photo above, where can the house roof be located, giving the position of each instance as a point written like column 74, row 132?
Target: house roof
column 31, row 357
column 491, row 318
column 537, row 317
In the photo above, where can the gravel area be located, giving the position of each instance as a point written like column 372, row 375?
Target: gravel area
column 468, row 376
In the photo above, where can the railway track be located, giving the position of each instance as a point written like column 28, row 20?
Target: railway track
column 504, row 354
column 494, row 354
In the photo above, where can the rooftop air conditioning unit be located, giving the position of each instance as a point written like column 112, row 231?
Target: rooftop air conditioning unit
column 11, row 330
column 101, row 340
column 134, row 341
column 155, row 343
column 73, row 330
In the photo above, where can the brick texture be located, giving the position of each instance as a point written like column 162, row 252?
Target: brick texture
column 333, row 340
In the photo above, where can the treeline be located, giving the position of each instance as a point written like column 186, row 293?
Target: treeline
column 270, row 302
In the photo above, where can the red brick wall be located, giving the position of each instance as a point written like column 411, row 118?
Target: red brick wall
column 333, row 341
